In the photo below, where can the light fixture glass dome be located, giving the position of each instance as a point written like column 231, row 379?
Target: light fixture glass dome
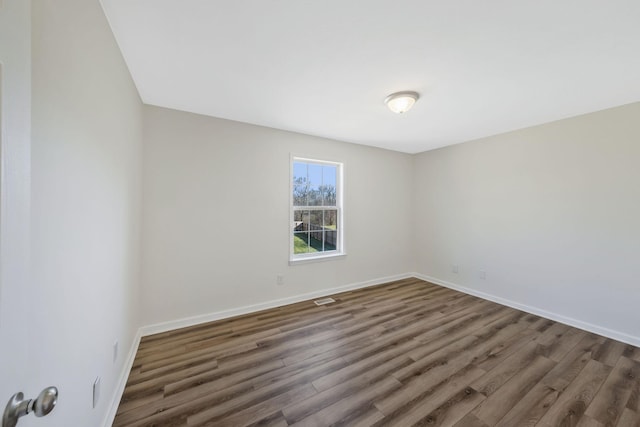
column 401, row 102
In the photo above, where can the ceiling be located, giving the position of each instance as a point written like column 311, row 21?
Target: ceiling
column 324, row 67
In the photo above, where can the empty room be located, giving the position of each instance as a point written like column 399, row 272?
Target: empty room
column 330, row 213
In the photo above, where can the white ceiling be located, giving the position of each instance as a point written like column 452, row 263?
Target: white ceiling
column 324, row 67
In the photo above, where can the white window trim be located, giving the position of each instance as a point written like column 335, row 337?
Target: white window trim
column 340, row 249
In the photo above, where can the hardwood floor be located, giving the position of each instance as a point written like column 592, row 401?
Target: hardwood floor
column 400, row 354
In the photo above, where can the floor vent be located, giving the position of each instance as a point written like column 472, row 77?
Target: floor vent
column 324, row 301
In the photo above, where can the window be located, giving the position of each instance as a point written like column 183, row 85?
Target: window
column 316, row 209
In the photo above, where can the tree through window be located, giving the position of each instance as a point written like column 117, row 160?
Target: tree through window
column 316, row 208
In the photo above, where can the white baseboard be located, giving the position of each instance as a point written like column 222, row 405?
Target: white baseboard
column 210, row 317
column 194, row 320
column 122, row 382
column 606, row 332
column 203, row 318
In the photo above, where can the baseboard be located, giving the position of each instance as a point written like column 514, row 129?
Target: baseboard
column 606, row 332
column 194, row 320
column 210, row 317
column 122, row 382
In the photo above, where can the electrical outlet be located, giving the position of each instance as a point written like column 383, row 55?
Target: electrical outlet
column 482, row 274
column 280, row 279
column 96, row 391
column 454, row 268
column 115, row 351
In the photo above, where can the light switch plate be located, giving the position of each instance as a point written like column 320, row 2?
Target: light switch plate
column 96, row 391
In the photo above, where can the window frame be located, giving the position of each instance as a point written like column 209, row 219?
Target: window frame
column 339, row 207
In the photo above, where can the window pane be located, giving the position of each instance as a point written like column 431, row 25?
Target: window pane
column 330, row 239
column 300, row 243
column 314, row 196
column 300, row 220
column 300, row 195
column 330, row 229
column 328, row 195
column 329, row 174
column 300, row 184
column 315, row 220
column 301, row 234
column 315, row 175
column 316, row 229
column 315, row 239
column 315, row 184
column 331, row 219
column 297, row 221
column 299, row 173
column 305, row 220
column 329, row 178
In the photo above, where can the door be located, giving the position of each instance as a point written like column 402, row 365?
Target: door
column 15, row 106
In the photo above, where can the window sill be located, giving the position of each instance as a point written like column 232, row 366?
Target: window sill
column 319, row 258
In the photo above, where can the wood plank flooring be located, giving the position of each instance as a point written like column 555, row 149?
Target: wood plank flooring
column 407, row 353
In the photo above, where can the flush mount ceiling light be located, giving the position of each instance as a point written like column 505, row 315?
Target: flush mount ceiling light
column 401, row 102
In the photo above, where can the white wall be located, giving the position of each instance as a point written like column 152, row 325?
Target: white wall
column 216, row 217
column 551, row 213
column 86, row 147
column 15, row 113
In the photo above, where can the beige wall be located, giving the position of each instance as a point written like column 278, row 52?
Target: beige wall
column 548, row 213
column 86, row 146
column 551, row 214
column 15, row 129
column 216, row 219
